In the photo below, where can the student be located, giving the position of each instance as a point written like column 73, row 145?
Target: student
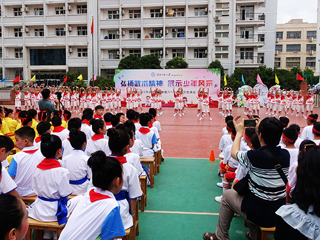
column 316, row 132
column 299, row 140
column 85, row 124
column 4, row 126
column 205, row 105
column 25, row 162
column 74, row 123
column 147, row 137
column 33, row 114
column 131, row 190
column 155, row 123
column 51, row 183
column 58, row 130
column 98, row 112
column 284, row 121
column 137, row 147
column 13, row 218
column 226, row 119
column 98, row 142
column 226, row 139
column 307, row 131
column 12, row 123
column 115, row 121
column 42, row 128
column 66, row 118
column 98, row 213
column 122, row 117
column 107, row 119
column 77, row 163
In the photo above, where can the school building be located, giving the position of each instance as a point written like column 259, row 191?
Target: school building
column 47, row 38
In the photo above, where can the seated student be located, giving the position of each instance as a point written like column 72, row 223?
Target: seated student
column 4, row 128
column 122, row 117
column 107, row 119
column 25, row 162
column 77, row 162
column 98, row 213
column 58, row 130
column 42, row 127
column 7, row 185
column 226, row 140
column 131, row 114
column 131, row 190
column 51, row 183
column 155, row 123
column 147, row 137
column 74, row 123
column 299, row 140
column 316, row 132
column 13, row 218
column 135, row 117
column 289, row 137
column 98, row 112
column 66, row 118
column 137, row 147
column 226, row 119
column 284, row 121
column 11, row 122
column 22, row 117
column 98, row 142
column 115, row 121
column 301, row 220
column 86, row 126
column 307, row 131
column 155, row 130
column 33, row 114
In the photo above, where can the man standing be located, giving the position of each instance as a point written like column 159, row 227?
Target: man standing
column 46, row 105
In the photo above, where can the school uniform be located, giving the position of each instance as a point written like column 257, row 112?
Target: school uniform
column 205, row 104
column 97, row 215
column 300, row 105
column 200, row 101
column 148, row 138
column 224, row 131
column 309, row 103
column 87, row 129
column 83, row 100
column 294, row 152
column 79, row 171
column 22, row 167
column 4, row 129
column 6, row 183
column 12, row 125
column 37, row 142
column 73, row 99
column 27, row 99
column 137, row 147
column 224, row 142
column 134, row 160
column 229, row 164
column 89, row 105
column 97, row 117
column 17, row 100
column 157, row 125
column 66, row 148
column 96, row 143
column 66, row 100
column 137, row 125
column 307, row 133
column 298, row 142
column 61, row 132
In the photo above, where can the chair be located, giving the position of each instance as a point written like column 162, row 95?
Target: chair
column 151, row 162
column 143, row 182
column 39, row 227
column 264, row 232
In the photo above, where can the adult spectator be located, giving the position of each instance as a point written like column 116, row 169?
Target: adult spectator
column 45, row 104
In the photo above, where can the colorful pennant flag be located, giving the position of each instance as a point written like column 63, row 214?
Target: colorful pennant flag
column 259, row 79
column 225, row 80
column 243, row 80
column 277, row 80
column 80, row 77
column 33, row 79
column 95, row 77
column 4, row 79
column 17, row 79
column 299, row 77
column 65, row 79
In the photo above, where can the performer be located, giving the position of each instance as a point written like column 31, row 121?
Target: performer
column 205, row 105
column 27, row 98
column 139, row 98
column 129, row 97
column 228, row 102
column 220, row 99
column 200, row 100
column 83, row 96
column 300, row 104
column 153, row 97
column 159, row 112
column 309, row 102
column 289, row 101
column 294, row 102
column 176, row 95
column 246, row 102
column 256, row 101
column 17, row 99
column 283, row 103
column 181, row 103
column 118, row 100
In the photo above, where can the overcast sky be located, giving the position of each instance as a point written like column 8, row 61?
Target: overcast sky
column 289, row 9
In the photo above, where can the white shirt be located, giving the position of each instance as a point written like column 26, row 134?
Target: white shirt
column 224, row 131
column 224, row 142
column 157, row 125
column 147, row 140
column 294, row 152
column 307, row 133
column 298, row 142
column 6, row 184
column 87, row 130
column 134, row 160
column 96, row 145
column 228, row 159
column 66, row 148
column 63, row 135
column 137, row 147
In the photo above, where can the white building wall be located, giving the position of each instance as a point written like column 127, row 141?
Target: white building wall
column 317, row 71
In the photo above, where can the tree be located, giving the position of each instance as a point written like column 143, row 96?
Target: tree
column 235, row 80
column 176, row 63
column 150, row 62
column 79, row 84
column 217, row 64
column 105, row 83
column 130, row 62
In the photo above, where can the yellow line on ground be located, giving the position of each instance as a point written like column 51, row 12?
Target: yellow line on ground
column 191, row 213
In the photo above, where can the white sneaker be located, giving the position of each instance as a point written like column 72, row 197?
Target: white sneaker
column 198, row 114
column 210, row 118
column 297, row 115
column 200, row 118
column 218, row 199
column 291, row 114
column 174, row 114
column 220, row 184
column 182, row 114
column 304, row 116
column 179, row 114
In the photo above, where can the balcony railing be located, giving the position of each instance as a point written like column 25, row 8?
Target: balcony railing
column 249, row 38
column 249, row 60
column 248, row 16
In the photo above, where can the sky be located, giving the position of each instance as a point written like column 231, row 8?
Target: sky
column 290, row 9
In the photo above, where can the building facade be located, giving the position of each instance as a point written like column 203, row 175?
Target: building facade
column 317, row 72
column 296, row 45
column 47, row 38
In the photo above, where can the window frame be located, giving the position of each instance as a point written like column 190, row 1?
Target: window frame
column 178, row 52
column 60, row 11
column 135, row 34
column 114, row 14
column 39, row 32
column 18, row 32
column 82, row 30
column 82, row 52
column 18, row 52
column 293, row 34
column 134, row 13
column 199, row 53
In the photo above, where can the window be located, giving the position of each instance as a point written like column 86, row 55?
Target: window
column 200, row 11
column 82, row 52
column 109, row 73
column 113, row 54
column 0, row 32
column 157, row 52
column 279, row 35
column 247, row 13
column 0, row 53
column 134, row 34
column 200, row 53
column 47, row 56
column 60, row 11
column 222, row 49
column 178, row 53
column 81, row 9
column 38, row 32
column 293, row 47
column 113, row 34
column 294, row 34
column 311, row 47
column 223, row 35
column 292, row 62
column 134, row 13
column 222, row 27
column 311, row 62
column 38, row 11
column 18, row 53
column 82, row 30
column 246, row 53
column 223, row 55
column 178, row 12
column 60, row 32
column 311, row 34
column 222, row 14
column 222, row 5
column 177, row 32
column 279, row 48
column 277, row 62
column 156, row 13
column 156, row 33
column 113, row 14
column 18, row 32
column 200, row 32
column 246, row 32
column 17, row 12
column 136, row 52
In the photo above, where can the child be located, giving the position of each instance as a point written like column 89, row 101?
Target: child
column 131, row 190
column 226, row 119
column 98, row 142
column 115, row 121
column 51, row 183
column 33, row 114
column 74, row 123
column 307, row 131
column 42, row 127
column 205, row 105
column 4, row 126
column 155, row 123
column 137, row 147
column 66, row 117
column 83, row 96
column 226, row 139
column 58, row 130
column 85, row 124
column 122, row 117
column 98, row 213
column 316, row 132
column 98, row 112
column 309, row 102
column 77, row 163
column 27, row 98
column 25, row 162
column 107, row 119
column 299, row 140
column 17, row 99
column 200, row 101
column 176, row 95
column 11, row 122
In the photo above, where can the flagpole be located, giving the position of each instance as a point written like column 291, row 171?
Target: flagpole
column 92, row 27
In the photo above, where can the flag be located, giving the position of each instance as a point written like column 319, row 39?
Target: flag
column 299, row 77
column 65, row 79
column 225, row 80
column 259, row 79
column 27, row 83
column 33, row 79
column 95, row 77
column 243, row 80
column 17, row 79
column 80, row 77
column 4, row 79
column 92, row 26
column 277, row 80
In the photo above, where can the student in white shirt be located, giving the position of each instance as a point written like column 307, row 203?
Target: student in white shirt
column 226, row 119
column 107, row 119
column 85, row 124
column 137, row 147
column 98, row 141
column 98, row 213
column 25, row 162
column 74, row 123
column 155, row 123
column 226, row 140
column 307, row 131
column 299, row 140
column 316, row 133
column 42, row 128
column 58, row 130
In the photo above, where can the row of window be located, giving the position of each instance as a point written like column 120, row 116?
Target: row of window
column 81, row 9
column 296, row 47
column 18, row 52
column 295, row 62
column 39, row 32
column 296, row 34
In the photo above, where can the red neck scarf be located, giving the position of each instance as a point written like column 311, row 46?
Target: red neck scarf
column 121, row 159
column 31, row 151
column 150, row 125
column 108, row 124
column 48, row 163
column 134, row 121
column 97, row 137
column 129, row 151
column 58, row 129
column 38, row 139
column 86, row 122
column 144, row 130
column 94, row 196
column 97, row 116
